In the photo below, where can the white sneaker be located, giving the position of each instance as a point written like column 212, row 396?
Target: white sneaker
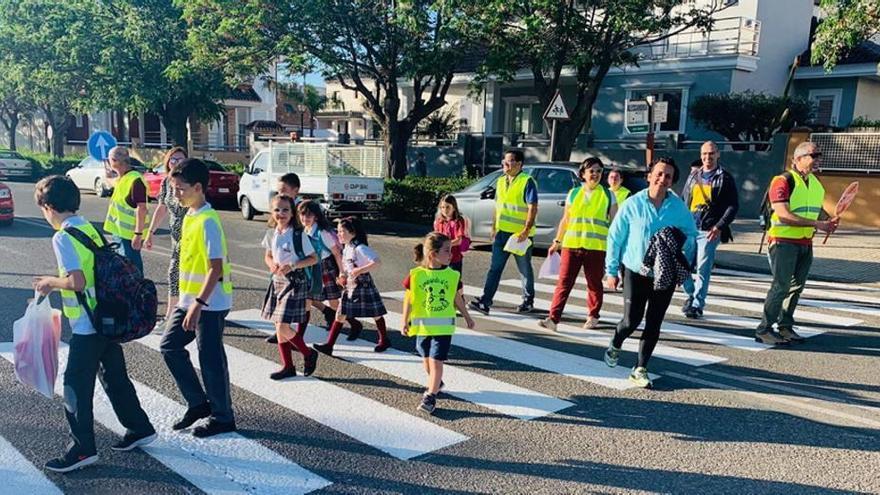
column 639, row 377
column 591, row 323
column 548, row 324
column 611, row 356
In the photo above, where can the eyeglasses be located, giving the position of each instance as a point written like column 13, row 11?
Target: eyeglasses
column 175, row 160
column 508, row 163
column 815, row 155
column 281, row 210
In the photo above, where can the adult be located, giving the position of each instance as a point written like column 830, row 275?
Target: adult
column 171, row 207
column 796, row 198
column 639, row 218
column 516, row 208
column 127, row 212
column 581, row 236
column 615, row 183
column 711, row 195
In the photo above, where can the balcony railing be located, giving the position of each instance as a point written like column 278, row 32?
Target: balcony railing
column 728, row 36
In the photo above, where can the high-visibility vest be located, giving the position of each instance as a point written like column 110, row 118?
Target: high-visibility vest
column 511, row 210
column 588, row 219
column 621, row 194
column 805, row 201
column 433, row 301
column 194, row 260
column 69, row 304
column 121, row 218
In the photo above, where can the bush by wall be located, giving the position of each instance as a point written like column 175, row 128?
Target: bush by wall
column 46, row 164
column 415, row 199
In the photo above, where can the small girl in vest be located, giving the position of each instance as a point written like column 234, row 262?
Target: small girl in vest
column 451, row 223
column 288, row 252
column 324, row 240
column 360, row 297
column 433, row 293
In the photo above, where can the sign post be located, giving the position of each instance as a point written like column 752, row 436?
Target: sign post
column 99, row 145
column 556, row 111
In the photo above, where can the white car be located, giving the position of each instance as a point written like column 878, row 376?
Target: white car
column 89, row 174
column 15, row 166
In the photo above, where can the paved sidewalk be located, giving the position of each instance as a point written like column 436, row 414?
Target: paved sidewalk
column 851, row 254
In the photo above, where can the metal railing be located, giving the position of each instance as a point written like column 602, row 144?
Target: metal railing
column 849, row 151
column 327, row 159
column 728, row 36
column 203, row 141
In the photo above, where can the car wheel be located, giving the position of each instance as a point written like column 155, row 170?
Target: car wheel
column 247, row 211
column 99, row 189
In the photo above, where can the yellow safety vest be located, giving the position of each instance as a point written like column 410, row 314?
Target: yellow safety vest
column 433, row 301
column 621, row 194
column 511, row 210
column 806, row 202
column 69, row 304
column 121, row 218
column 194, row 260
column 588, row 219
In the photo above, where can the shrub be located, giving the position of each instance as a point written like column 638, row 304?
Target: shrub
column 47, row 164
column 749, row 116
column 864, row 122
column 415, row 199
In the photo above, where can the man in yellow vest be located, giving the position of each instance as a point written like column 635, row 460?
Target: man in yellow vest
column 516, row 208
column 796, row 197
column 582, row 236
column 127, row 212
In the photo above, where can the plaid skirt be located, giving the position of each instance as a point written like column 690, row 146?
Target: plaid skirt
column 285, row 300
column 364, row 301
column 330, row 290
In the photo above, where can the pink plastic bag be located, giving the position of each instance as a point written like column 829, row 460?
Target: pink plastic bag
column 35, row 338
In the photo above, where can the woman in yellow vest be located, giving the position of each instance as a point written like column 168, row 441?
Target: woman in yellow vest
column 615, row 183
column 582, row 235
column 127, row 212
column 433, row 293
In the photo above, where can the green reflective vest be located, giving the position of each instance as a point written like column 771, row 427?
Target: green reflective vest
column 511, row 210
column 433, row 301
column 194, row 260
column 805, row 201
column 588, row 219
column 621, row 194
column 121, row 218
column 69, row 304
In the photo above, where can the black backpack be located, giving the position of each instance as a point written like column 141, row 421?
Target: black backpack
column 766, row 207
column 127, row 302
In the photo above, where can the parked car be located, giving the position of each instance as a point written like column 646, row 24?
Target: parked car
column 13, row 165
column 222, row 184
column 554, row 180
column 89, row 174
column 7, row 204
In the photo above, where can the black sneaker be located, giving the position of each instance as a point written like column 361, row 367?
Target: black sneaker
column 526, row 307
column 699, row 312
column 70, row 462
column 192, row 415
column 213, row 428
column 355, row 331
column 687, row 306
column 283, row 373
column 478, row 306
column 382, row 347
column 272, row 339
column 691, row 313
column 323, row 348
column 311, row 362
column 428, row 404
column 131, row 441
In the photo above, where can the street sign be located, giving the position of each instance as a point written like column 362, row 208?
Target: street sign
column 660, row 111
column 636, row 116
column 556, row 110
column 99, row 145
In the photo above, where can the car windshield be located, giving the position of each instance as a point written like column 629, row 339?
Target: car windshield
column 484, row 182
column 11, row 155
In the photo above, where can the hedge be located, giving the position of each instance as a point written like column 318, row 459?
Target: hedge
column 47, row 164
column 415, row 199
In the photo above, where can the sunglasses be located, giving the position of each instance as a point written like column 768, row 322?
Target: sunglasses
column 815, row 155
column 281, row 210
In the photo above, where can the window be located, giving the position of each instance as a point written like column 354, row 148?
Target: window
column 260, row 164
column 79, row 121
column 525, row 117
column 826, row 105
column 487, row 181
column 553, row 180
column 676, row 110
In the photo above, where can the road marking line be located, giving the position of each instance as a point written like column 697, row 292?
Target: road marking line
column 763, row 277
column 20, row 475
column 505, row 398
column 383, row 427
column 227, row 463
column 819, row 298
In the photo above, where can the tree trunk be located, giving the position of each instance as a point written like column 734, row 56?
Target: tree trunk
column 11, row 125
column 566, row 136
column 396, row 139
column 174, row 120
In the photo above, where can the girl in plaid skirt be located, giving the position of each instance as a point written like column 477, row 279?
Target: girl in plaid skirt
column 288, row 252
column 323, row 237
column 360, row 297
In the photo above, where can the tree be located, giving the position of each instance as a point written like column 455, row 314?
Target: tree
column 14, row 103
column 585, row 37
column 846, row 24
column 749, row 116
column 439, row 125
column 373, row 47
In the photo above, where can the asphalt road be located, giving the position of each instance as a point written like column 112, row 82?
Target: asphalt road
column 527, row 411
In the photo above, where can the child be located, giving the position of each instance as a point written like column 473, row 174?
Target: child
column 323, row 237
column 90, row 354
column 451, row 223
column 433, row 292
column 288, row 185
column 205, row 299
column 288, row 252
column 360, row 298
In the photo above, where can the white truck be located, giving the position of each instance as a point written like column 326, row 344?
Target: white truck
column 344, row 179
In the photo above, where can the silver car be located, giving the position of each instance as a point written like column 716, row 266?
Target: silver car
column 554, row 181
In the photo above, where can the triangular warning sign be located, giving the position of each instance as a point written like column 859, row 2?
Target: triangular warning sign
column 557, row 109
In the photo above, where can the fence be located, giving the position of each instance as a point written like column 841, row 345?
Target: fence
column 728, row 36
column 849, row 152
column 326, row 159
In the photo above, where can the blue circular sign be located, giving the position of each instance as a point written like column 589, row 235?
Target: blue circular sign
column 100, row 144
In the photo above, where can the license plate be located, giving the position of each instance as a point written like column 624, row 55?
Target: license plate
column 357, row 197
column 223, row 189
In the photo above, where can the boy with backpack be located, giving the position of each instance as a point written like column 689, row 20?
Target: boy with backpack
column 90, row 354
column 205, row 300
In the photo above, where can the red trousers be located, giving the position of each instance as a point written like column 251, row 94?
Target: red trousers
column 593, row 263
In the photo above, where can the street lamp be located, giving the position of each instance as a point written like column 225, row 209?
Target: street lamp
column 649, row 139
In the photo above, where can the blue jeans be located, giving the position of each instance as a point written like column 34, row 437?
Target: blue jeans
column 499, row 260
column 129, row 252
column 697, row 287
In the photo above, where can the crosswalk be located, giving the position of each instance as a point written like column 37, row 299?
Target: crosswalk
column 234, row 463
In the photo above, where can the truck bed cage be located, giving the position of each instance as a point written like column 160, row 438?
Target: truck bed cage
column 325, row 159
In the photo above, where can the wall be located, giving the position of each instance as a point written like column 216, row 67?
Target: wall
column 864, row 210
column 847, row 84
column 867, row 103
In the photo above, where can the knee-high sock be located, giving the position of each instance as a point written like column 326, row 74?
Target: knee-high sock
column 284, row 349
column 298, row 342
column 335, row 328
column 354, row 324
column 380, row 327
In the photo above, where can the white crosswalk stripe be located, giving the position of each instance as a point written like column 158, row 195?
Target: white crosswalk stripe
column 763, row 277
column 225, row 464
column 844, row 297
column 20, row 476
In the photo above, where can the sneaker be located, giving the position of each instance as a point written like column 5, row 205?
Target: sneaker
column 548, row 324
column 428, row 404
column 478, row 306
column 70, row 462
column 311, row 362
column 130, row 442
column 790, row 335
column 329, row 315
column 770, row 337
column 439, row 390
column 382, row 347
column 687, row 305
column 699, row 312
column 160, row 325
column 611, row 356
column 323, row 348
column 639, row 377
column 355, row 331
column 591, row 323
column 192, row 415
column 213, row 428
column 272, row 339
column 283, row 373
column 525, row 307
column 691, row 313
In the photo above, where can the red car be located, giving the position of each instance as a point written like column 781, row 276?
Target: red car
column 222, row 184
column 7, row 206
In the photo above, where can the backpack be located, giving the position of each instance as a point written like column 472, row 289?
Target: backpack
column 127, row 302
column 298, row 249
column 766, row 208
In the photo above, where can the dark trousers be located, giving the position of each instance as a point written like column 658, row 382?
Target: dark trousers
column 90, row 356
column 125, row 249
column 212, row 357
column 573, row 260
column 640, row 300
column 790, row 264
column 496, row 268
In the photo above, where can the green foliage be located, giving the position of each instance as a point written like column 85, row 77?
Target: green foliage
column 749, row 116
column 415, row 199
column 865, row 122
column 47, row 164
column 846, row 24
column 439, row 125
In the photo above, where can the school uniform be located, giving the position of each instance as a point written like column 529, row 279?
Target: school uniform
column 324, row 286
column 360, row 297
column 285, row 300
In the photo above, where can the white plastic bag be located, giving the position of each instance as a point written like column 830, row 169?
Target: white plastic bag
column 516, row 247
column 550, row 266
column 35, row 338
